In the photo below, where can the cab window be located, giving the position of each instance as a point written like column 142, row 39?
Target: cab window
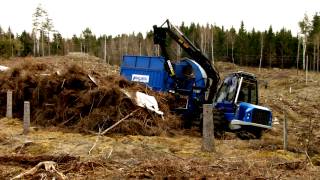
column 248, row 92
column 228, row 89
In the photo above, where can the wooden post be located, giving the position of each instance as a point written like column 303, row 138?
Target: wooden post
column 208, row 128
column 26, row 117
column 285, row 133
column 9, row 104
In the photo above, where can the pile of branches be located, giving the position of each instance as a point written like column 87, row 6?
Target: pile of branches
column 82, row 101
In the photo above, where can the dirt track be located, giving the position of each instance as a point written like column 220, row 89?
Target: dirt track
column 179, row 155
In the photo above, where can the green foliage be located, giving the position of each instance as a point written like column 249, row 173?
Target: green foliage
column 26, row 43
column 57, row 44
column 76, row 44
column 9, row 44
column 42, row 26
column 88, row 42
column 305, row 25
column 5, row 47
column 315, row 25
column 270, row 46
column 241, row 45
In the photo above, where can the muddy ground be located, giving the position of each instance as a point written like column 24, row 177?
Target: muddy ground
column 114, row 155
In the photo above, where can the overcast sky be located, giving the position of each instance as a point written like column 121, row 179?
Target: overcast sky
column 114, row 17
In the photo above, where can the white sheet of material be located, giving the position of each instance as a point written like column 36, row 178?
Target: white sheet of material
column 4, row 68
column 149, row 102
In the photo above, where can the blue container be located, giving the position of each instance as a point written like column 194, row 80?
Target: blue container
column 145, row 69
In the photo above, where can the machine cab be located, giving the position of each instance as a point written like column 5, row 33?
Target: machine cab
column 238, row 87
column 238, row 99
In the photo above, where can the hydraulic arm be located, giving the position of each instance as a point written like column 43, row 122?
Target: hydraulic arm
column 160, row 35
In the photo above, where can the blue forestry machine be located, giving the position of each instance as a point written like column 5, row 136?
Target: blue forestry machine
column 195, row 81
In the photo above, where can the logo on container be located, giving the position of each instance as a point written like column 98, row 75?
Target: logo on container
column 140, row 78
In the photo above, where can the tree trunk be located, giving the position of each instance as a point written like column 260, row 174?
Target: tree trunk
column 282, row 58
column 139, row 48
column 34, row 44
column 261, row 52
column 314, row 56
column 110, row 57
column 205, row 41
column 105, row 49
column 49, row 49
column 126, row 45
column 212, row 55
column 57, row 52
column 270, row 60
column 318, row 54
column 38, row 47
column 42, row 47
column 65, row 48
column 306, row 68
column 304, row 52
column 298, row 54
column 232, row 44
column 11, row 44
column 246, row 60
column 227, row 48
column 201, row 40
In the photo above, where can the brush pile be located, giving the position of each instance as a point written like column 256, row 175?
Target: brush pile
column 82, row 101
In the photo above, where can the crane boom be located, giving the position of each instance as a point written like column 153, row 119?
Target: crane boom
column 160, row 34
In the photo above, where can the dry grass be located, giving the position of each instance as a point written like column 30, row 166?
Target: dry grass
column 135, row 156
column 147, row 156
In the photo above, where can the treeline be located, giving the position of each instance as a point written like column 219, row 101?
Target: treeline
column 241, row 46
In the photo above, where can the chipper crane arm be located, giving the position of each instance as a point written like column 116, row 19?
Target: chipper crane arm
column 160, row 35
